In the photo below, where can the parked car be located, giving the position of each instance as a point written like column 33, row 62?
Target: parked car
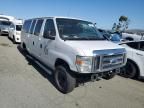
column 72, row 48
column 135, row 62
column 132, row 36
column 4, row 27
column 135, row 56
column 111, row 36
column 15, row 31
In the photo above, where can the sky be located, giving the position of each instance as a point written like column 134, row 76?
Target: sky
column 102, row 12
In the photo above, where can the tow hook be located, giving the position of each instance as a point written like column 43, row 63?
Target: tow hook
column 95, row 77
column 117, row 70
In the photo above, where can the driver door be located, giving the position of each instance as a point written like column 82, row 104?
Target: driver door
column 47, row 44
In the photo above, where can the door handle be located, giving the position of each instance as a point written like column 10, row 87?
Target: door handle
column 40, row 45
column 33, row 42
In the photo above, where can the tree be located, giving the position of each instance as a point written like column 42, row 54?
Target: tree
column 122, row 24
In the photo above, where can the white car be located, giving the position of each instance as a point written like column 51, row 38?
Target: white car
column 132, row 37
column 15, row 31
column 4, row 27
column 135, row 59
column 72, row 48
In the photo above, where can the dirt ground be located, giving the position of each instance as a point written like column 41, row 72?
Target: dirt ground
column 25, row 85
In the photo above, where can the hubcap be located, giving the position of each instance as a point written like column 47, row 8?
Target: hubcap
column 61, row 77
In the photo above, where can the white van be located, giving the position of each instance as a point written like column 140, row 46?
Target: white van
column 5, row 22
column 72, row 48
column 15, row 31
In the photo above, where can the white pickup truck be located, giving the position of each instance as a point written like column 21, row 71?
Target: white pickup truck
column 72, row 48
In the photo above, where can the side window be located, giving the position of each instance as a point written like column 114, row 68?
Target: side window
column 26, row 26
column 13, row 26
column 49, row 29
column 38, row 27
column 32, row 27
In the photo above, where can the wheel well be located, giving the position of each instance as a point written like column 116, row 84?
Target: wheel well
column 138, row 71
column 61, row 62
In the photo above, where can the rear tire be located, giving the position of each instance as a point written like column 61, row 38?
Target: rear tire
column 8, row 36
column 14, row 41
column 65, row 82
column 24, row 49
column 0, row 33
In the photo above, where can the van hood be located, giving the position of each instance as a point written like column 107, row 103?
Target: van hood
column 87, row 47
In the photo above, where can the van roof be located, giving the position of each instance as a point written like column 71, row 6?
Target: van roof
column 6, row 17
column 16, row 21
column 54, row 17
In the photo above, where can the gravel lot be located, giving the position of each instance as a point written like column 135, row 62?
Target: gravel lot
column 25, row 85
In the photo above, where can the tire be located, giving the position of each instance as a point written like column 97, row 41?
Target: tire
column 130, row 70
column 14, row 40
column 23, row 48
column 109, row 75
column 64, row 81
column 8, row 36
column 0, row 33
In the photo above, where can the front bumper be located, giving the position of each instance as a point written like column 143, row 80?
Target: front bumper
column 106, row 60
column 4, row 32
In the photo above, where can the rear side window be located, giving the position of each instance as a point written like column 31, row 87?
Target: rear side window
column 38, row 27
column 49, row 29
column 26, row 26
column 32, row 27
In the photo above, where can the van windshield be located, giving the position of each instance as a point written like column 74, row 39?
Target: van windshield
column 5, row 23
column 18, row 27
column 71, row 29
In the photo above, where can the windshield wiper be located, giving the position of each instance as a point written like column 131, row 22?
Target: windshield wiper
column 76, row 37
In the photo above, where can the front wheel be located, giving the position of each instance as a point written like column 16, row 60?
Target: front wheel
column 64, row 80
column 130, row 70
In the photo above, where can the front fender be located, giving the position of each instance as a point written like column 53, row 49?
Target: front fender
column 70, row 60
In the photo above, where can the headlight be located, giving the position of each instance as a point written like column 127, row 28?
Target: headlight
column 84, row 64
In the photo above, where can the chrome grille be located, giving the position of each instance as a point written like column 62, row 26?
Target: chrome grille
column 111, row 61
column 108, row 61
column 96, row 64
